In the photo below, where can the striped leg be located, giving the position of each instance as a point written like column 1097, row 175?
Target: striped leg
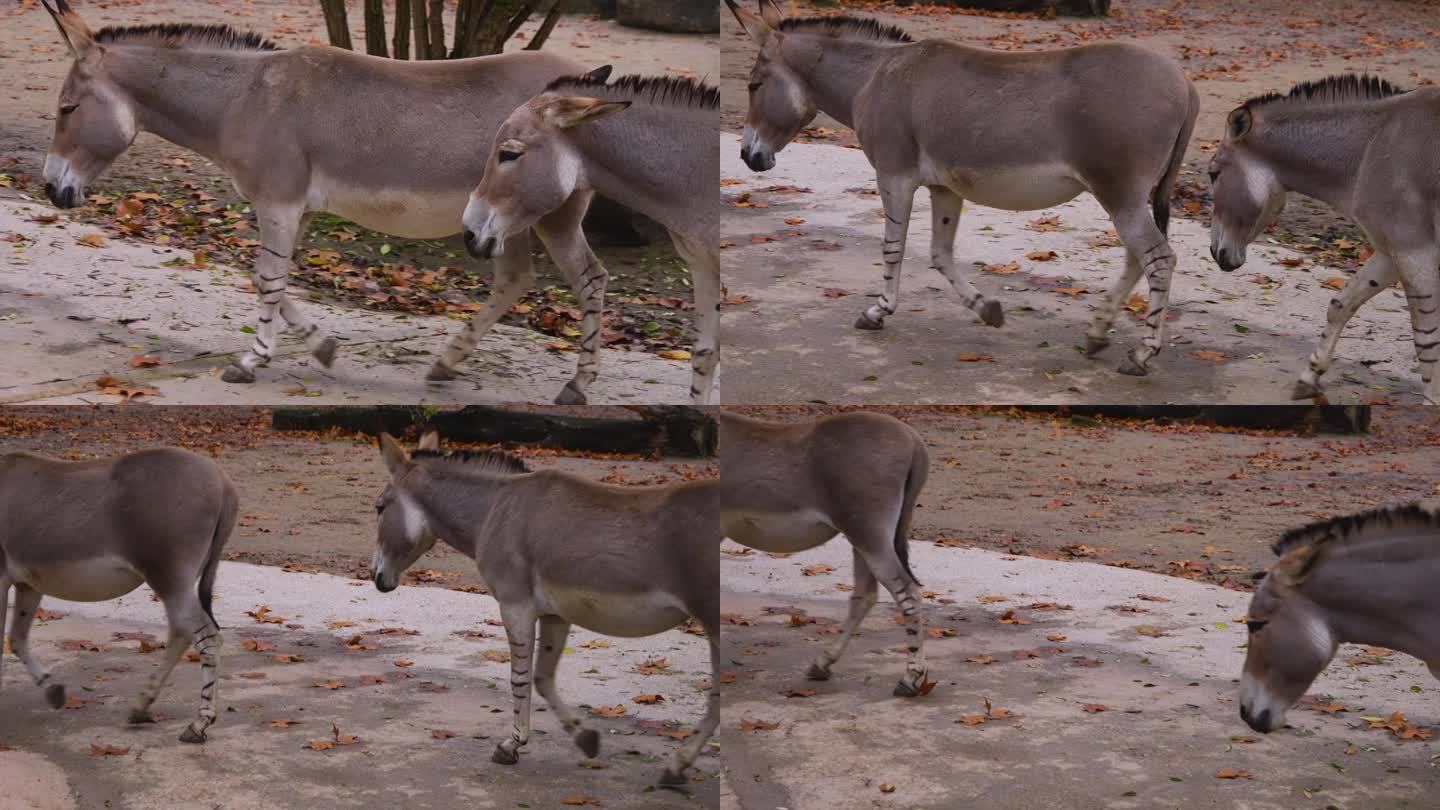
column 1150, row 249
column 1097, row 337
column 207, row 644
column 4, row 616
column 175, row 646
column 1418, row 275
column 704, row 265
column 512, row 277
column 685, row 755
column 565, row 242
column 27, row 600
column 898, row 197
column 278, row 228
column 1377, row 274
column 887, row 568
column 322, row 346
column 553, row 632
column 862, row 599
column 945, row 209
column 520, row 629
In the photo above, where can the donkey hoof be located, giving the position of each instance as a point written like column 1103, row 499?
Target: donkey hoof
column 992, row 314
column 818, row 673
column 439, row 373
column 672, row 778
column 140, row 717
column 55, row 695
column 237, row 374
column 325, row 353
column 1094, row 345
column 865, row 322
column 1304, row 390
column 570, row 396
column 190, row 735
column 589, row 742
column 903, row 689
column 1132, row 368
column 503, row 756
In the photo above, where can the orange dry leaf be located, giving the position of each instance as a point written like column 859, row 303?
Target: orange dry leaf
column 1231, row 773
column 92, row 240
column 648, row 699
column 98, row 750
column 608, row 711
column 1095, row 708
column 816, row 570
column 653, row 666
column 1002, row 269
column 757, row 725
column 145, row 361
column 1213, row 357
column 580, row 801
column 1042, row 256
column 404, row 662
column 1334, row 283
column 1071, row 291
column 968, row 357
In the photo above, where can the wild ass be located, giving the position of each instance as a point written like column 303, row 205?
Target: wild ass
column 391, row 145
column 787, row 487
column 1364, row 147
column 89, row 531
column 660, row 158
column 1018, row 131
column 560, row 549
column 1367, row 578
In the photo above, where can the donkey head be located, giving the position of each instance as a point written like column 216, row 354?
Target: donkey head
column 1247, row 194
column 781, row 103
column 533, row 169
column 1290, row 641
column 405, row 533
column 96, row 120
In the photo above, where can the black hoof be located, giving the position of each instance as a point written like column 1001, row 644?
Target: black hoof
column 326, row 352
column 1304, row 390
column 55, row 695
column 864, row 322
column 570, row 396
column 992, row 314
column 139, row 717
column 903, row 689
column 237, row 374
column 589, row 742
column 672, row 778
column 1094, row 345
column 817, row 673
column 439, row 373
column 504, row 757
column 1132, row 368
column 190, row 735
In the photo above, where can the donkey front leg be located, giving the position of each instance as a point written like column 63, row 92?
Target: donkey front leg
column 520, row 629
column 4, row 616
column 1377, row 274
column 553, row 632
column 898, row 197
column 512, row 277
column 862, row 600
column 27, row 601
column 565, row 242
column 1147, row 247
column 279, row 225
column 1417, row 268
column 945, row 209
column 685, row 756
column 704, row 265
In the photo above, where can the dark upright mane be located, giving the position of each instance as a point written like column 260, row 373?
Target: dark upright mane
column 1344, row 87
column 844, row 25
column 488, row 460
column 1348, row 527
column 180, row 35
column 671, row 90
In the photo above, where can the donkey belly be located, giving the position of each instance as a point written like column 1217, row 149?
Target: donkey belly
column 1026, row 188
column 397, row 212
column 779, row 532
column 93, row 580
column 616, row 614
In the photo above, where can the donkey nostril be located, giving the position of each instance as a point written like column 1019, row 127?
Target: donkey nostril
column 1263, row 721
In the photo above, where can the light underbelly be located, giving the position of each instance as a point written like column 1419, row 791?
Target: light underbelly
column 616, row 614
column 397, row 212
column 94, row 580
column 1021, row 189
column 778, row 532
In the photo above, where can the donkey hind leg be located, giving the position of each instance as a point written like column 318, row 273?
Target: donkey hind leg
column 945, row 209
column 322, row 346
column 862, row 600
column 1422, row 294
column 553, row 632
column 898, row 197
column 279, row 226
column 512, row 278
column 1151, row 250
column 1097, row 337
column 565, row 242
column 1377, row 274
column 520, row 629
column 704, row 266
column 4, row 616
column 685, row 755
column 887, row 568
column 27, row 600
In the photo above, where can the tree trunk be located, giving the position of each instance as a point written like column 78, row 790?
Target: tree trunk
column 337, row 23
column 421, row 27
column 375, row 28
column 437, row 29
column 538, row 41
column 488, row 24
column 401, row 46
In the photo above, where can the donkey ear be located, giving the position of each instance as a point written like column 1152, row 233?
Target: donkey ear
column 430, row 441
column 1238, row 123
column 394, row 455
column 73, row 30
column 571, row 111
column 752, row 23
column 771, row 14
column 600, row 74
column 1295, row 567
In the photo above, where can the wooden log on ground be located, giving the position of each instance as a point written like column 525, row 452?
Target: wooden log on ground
column 1298, row 418
column 1073, row 8
column 668, row 430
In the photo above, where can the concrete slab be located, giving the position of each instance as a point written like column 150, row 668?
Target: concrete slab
column 1170, row 724
column 792, row 341
column 455, row 683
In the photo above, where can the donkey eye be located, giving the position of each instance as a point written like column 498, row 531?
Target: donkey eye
column 1214, row 173
column 754, row 86
column 507, row 155
column 66, row 109
column 1255, row 625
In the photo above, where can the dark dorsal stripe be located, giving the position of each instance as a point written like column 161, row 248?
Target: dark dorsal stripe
column 671, row 90
column 1363, row 524
column 488, row 460
column 845, row 25
column 180, row 35
column 1344, row 87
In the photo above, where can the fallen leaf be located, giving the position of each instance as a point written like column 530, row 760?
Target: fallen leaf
column 283, row 722
column 648, row 699
column 884, row 788
column 1231, row 773
column 1334, row 283
column 653, row 666
column 674, row 354
column 1095, row 708
column 1055, row 637
column 1213, row 357
column 608, row 711
column 1002, row 269
column 816, row 569
column 98, row 750
column 330, row 684
column 581, row 801
column 1070, row 291
column 967, row 357
column 835, row 292
column 91, row 240
column 757, row 725
column 1042, row 256
column 441, row 733
column 798, row 693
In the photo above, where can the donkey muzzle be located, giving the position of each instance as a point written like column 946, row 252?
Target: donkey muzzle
column 1227, row 261
column 757, row 159
column 62, row 197
column 1259, row 722
column 384, row 585
column 480, row 248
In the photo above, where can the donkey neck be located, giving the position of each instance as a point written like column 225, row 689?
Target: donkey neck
column 458, row 502
column 1317, row 150
column 835, row 69
column 644, row 159
column 182, row 95
column 1383, row 593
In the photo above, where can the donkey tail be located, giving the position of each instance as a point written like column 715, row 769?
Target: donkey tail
column 1160, row 202
column 914, row 482
column 229, row 512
